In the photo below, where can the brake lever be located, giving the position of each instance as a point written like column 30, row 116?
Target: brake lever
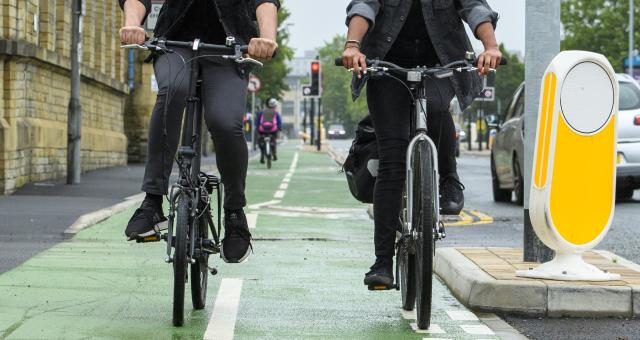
column 135, row 46
column 243, row 60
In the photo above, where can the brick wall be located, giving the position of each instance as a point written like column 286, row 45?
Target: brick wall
column 35, row 39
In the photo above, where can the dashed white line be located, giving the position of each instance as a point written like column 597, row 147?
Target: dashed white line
column 284, row 186
column 461, row 315
column 433, row 329
column 279, row 194
column 252, row 220
column 223, row 318
column 286, row 180
column 477, row 329
column 282, row 190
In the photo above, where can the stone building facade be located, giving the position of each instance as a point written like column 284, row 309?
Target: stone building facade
column 35, row 39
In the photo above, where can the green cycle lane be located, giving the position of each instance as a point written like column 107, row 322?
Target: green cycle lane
column 312, row 245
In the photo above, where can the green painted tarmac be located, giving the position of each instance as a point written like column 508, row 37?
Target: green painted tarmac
column 303, row 281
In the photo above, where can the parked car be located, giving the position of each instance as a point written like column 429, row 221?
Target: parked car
column 628, row 169
column 507, row 155
column 507, row 152
column 336, row 131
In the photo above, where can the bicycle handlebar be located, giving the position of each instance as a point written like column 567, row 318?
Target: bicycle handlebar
column 154, row 45
column 338, row 62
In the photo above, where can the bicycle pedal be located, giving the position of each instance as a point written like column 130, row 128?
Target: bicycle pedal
column 151, row 238
column 381, row 287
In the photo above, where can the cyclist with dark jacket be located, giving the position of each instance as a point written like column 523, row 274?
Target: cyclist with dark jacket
column 414, row 33
column 224, row 88
column 269, row 123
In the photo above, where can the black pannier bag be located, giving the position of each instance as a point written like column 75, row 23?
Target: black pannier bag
column 361, row 165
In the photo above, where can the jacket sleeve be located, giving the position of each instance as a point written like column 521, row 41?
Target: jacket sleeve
column 367, row 9
column 279, row 119
column 146, row 3
column 476, row 12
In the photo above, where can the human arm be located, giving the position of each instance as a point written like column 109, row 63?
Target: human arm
column 361, row 17
column 482, row 20
column 279, row 120
column 267, row 16
column 135, row 13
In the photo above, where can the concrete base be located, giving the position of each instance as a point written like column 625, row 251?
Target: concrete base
column 484, row 279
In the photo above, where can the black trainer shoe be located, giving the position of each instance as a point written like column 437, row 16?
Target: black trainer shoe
column 451, row 196
column 236, row 245
column 262, row 160
column 275, row 158
column 380, row 277
column 145, row 220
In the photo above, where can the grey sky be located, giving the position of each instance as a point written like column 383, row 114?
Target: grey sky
column 314, row 22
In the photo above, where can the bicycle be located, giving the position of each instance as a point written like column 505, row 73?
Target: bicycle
column 421, row 224
column 190, row 213
column 267, row 144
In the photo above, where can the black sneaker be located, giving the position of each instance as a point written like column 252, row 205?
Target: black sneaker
column 451, row 196
column 380, row 277
column 236, row 245
column 145, row 220
column 262, row 160
column 275, row 158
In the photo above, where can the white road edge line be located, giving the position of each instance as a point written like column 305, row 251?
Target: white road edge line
column 500, row 327
column 222, row 324
column 252, row 220
column 263, row 204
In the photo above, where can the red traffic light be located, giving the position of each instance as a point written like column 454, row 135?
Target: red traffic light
column 315, row 67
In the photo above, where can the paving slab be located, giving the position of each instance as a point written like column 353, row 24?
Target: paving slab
column 484, row 280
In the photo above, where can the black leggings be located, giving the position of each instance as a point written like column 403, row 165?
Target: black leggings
column 224, row 93
column 390, row 108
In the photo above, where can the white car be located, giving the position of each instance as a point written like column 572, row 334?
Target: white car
column 628, row 172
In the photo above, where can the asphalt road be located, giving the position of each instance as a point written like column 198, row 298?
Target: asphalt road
column 507, row 231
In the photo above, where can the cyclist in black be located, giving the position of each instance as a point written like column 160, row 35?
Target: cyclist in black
column 414, row 33
column 269, row 123
column 224, row 87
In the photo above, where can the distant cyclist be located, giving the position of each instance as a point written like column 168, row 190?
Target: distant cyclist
column 269, row 123
column 224, row 88
column 413, row 33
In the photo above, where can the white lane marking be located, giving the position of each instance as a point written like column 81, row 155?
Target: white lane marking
column 252, row 220
column 461, row 315
column 279, row 194
column 409, row 315
column 286, row 180
column 437, row 339
column 263, row 204
column 477, row 329
column 284, row 186
column 223, row 318
column 433, row 329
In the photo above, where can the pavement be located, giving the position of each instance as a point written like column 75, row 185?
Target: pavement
column 312, row 245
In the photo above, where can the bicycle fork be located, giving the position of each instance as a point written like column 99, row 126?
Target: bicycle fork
column 420, row 119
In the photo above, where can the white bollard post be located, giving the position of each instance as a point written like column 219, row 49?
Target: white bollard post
column 572, row 193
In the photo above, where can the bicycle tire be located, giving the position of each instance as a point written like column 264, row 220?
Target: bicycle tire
column 200, row 269
column 180, row 258
column 268, row 161
column 424, row 221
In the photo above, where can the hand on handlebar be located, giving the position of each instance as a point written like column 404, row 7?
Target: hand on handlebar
column 489, row 60
column 352, row 58
column 130, row 35
column 261, row 48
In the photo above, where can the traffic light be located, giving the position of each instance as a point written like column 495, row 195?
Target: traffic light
column 315, row 78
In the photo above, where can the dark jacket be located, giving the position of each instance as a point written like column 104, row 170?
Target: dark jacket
column 237, row 16
column 446, row 31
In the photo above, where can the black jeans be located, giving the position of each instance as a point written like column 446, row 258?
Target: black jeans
column 224, row 92
column 390, row 108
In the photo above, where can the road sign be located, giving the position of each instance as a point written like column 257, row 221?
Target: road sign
column 572, row 191
column 488, row 94
column 255, row 84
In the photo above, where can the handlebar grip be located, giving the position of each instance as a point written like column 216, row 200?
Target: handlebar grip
column 245, row 49
column 503, row 62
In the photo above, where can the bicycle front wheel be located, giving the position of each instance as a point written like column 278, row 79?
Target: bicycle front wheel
column 180, row 258
column 424, row 220
column 200, row 269
column 405, row 261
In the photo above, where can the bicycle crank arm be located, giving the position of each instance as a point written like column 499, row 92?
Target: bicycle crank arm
column 384, row 287
column 151, row 238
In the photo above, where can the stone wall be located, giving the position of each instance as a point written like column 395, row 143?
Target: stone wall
column 35, row 38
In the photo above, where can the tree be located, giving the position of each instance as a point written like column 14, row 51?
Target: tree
column 598, row 26
column 274, row 72
column 336, row 84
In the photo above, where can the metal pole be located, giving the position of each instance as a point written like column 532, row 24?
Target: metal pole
column 631, row 42
column 312, row 121
column 304, row 119
column 319, row 140
column 254, row 125
column 74, row 114
column 542, row 43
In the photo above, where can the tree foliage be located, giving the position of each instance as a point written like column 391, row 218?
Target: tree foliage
column 336, row 84
column 274, row 72
column 599, row 26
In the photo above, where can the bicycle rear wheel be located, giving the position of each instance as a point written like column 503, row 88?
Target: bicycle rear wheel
column 200, row 269
column 180, row 258
column 405, row 262
column 424, row 220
